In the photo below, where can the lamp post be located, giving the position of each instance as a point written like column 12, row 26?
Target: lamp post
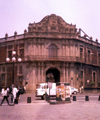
column 14, row 55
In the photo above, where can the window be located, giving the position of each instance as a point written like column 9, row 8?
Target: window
column 66, row 29
column 20, row 69
column 10, row 47
column 94, row 77
column 21, row 45
column 81, row 74
column 71, row 30
column 3, row 79
column 20, row 79
column 99, row 58
column 10, row 54
column 81, row 53
column 21, row 53
column 88, row 55
column 52, row 51
column 3, row 69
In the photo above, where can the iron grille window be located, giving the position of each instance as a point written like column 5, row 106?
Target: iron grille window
column 20, row 79
column 22, row 53
column 3, row 79
column 88, row 55
column 3, row 69
column 81, row 53
column 99, row 58
column 81, row 74
column 10, row 54
column 20, row 69
column 94, row 77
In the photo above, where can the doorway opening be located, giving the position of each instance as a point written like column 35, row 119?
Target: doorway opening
column 53, row 74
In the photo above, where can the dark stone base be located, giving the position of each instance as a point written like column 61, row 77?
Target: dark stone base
column 59, row 102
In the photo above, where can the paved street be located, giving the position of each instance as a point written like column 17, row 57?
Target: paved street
column 41, row 110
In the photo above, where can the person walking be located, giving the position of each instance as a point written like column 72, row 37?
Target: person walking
column 14, row 92
column 4, row 93
column 18, row 93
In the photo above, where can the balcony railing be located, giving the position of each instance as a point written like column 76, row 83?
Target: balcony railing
column 52, row 58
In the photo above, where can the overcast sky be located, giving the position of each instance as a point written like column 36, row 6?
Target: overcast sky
column 15, row 15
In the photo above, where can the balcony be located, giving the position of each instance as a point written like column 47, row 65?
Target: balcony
column 53, row 58
column 58, row 58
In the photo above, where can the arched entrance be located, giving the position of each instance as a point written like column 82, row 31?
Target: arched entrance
column 54, row 74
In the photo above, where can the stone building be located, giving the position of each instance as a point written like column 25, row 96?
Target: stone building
column 50, row 48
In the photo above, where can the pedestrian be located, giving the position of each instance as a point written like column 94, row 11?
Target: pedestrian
column 4, row 94
column 80, row 89
column 18, row 94
column 10, row 91
column 24, row 89
column 14, row 92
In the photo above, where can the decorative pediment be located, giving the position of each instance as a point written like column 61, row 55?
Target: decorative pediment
column 52, row 23
column 54, row 43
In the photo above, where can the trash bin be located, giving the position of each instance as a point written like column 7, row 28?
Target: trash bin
column 16, row 101
column 86, row 98
column 74, row 98
column 29, row 100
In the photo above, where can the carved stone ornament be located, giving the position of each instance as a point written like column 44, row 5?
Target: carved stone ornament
column 52, row 23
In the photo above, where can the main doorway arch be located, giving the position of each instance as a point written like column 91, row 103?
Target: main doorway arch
column 54, row 74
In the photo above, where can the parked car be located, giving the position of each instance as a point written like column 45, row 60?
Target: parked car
column 74, row 90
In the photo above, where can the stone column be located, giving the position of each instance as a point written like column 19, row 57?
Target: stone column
column 38, row 50
column 66, row 51
column 25, row 48
column 67, row 73
column 73, row 50
column 42, row 53
column 34, row 79
column 42, row 73
column 61, row 77
column 44, row 76
column 70, row 50
column 38, row 72
column 72, row 74
column 33, row 49
column 62, row 50
column 64, row 72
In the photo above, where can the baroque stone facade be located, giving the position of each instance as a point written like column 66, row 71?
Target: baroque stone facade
column 53, row 48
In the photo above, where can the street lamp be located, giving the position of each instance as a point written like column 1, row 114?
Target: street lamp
column 81, row 74
column 14, row 55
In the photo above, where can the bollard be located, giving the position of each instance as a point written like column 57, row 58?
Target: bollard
column 99, row 98
column 74, row 98
column 29, row 100
column 86, row 98
column 16, row 101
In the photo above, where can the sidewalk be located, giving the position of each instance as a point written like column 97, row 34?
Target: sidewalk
column 40, row 109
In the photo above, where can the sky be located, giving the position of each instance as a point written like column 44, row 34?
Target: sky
column 15, row 15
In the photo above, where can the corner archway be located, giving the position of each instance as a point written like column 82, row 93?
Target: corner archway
column 55, row 73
